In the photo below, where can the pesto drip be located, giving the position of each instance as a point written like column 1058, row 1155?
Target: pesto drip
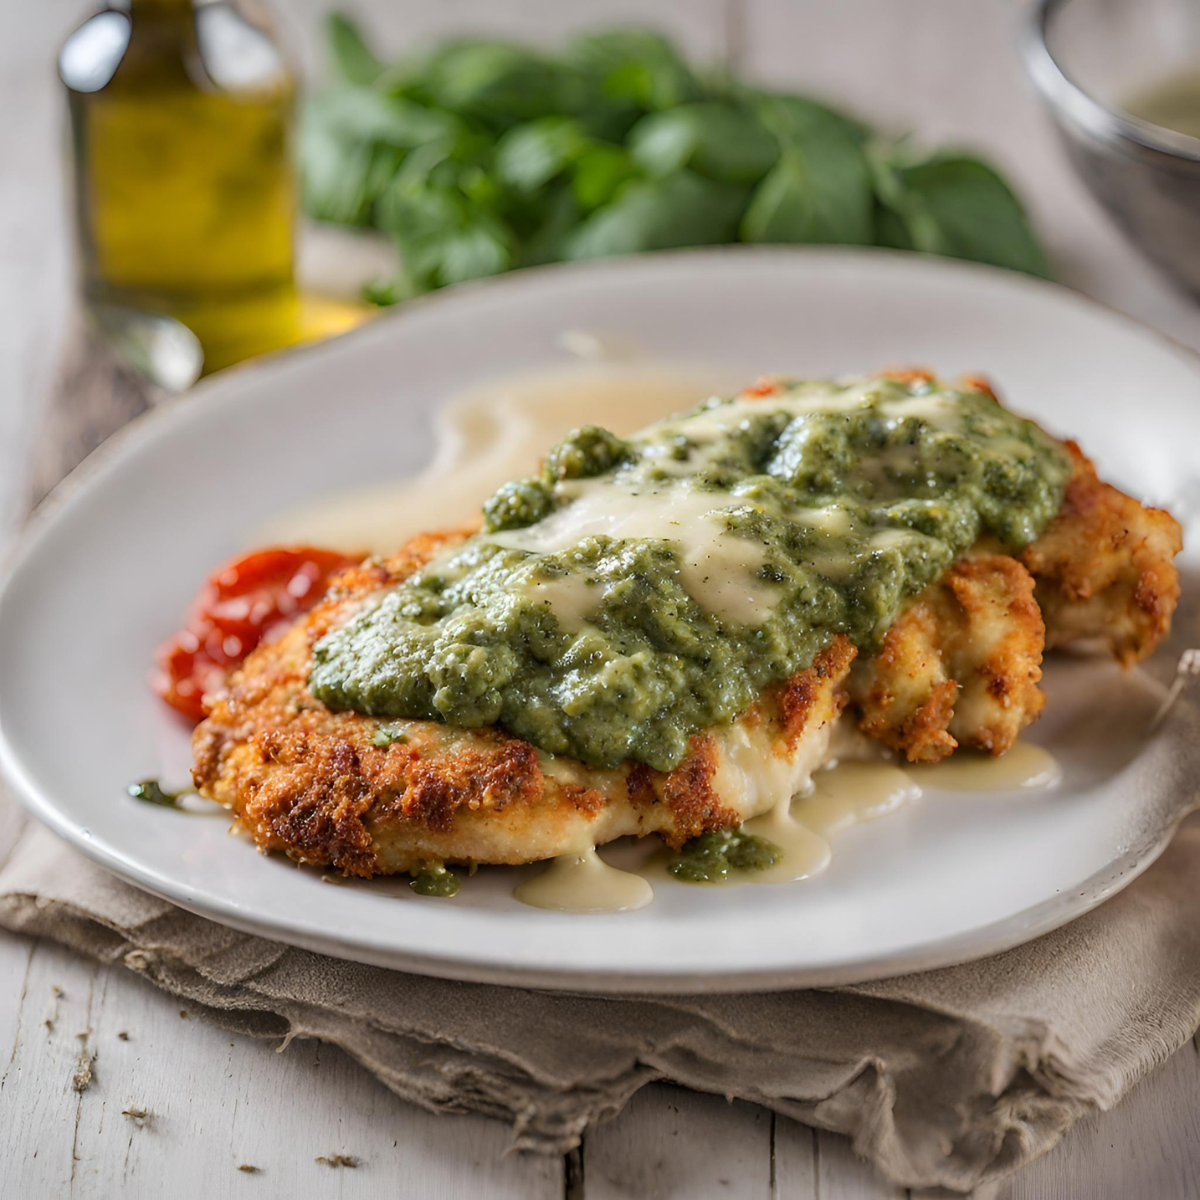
column 151, row 791
column 433, row 879
column 714, row 857
column 638, row 590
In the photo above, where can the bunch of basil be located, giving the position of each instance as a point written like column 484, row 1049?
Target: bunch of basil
column 483, row 156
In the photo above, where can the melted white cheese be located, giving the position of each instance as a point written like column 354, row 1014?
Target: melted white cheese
column 718, row 569
column 571, row 598
column 940, row 410
column 722, row 419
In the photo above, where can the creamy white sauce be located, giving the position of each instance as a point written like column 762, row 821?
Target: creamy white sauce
column 1025, row 766
column 585, row 883
column 804, row 851
column 486, row 437
column 499, row 432
column 853, row 792
column 846, row 794
column 885, row 539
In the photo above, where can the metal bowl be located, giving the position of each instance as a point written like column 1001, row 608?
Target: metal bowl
column 1087, row 58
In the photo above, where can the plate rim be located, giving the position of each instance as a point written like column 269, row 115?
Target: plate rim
column 225, row 388
column 994, row 939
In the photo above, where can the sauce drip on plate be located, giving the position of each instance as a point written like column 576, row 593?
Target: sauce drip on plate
column 1024, row 766
column 585, row 883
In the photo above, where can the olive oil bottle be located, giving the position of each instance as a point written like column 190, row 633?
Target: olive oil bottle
column 184, row 199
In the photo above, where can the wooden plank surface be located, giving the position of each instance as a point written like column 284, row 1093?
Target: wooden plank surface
column 1149, row 1146
column 215, row 1102
column 669, row 1142
column 172, row 1098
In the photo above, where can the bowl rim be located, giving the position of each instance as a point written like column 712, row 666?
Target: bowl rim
column 1067, row 98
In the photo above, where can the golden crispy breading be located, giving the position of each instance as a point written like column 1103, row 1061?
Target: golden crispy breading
column 1104, row 567
column 316, row 784
column 960, row 665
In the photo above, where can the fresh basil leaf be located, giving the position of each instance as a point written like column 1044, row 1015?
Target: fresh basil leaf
column 444, row 238
column 367, row 115
column 437, row 161
column 481, row 155
column 954, row 205
column 499, row 83
column 599, row 172
column 546, row 237
column 477, row 248
column 789, row 116
column 349, row 55
column 480, row 186
column 640, row 68
column 334, row 177
column 386, row 292
column 344, row 185
column 719, row 140
column 820, row 190
column 528, row 156
column 353, row 141
column 800, row 201
column 682, row 210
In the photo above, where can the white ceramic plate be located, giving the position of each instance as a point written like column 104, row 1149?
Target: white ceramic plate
column 112, row 560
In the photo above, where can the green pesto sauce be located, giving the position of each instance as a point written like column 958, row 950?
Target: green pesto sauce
column 434, row 880
column 639, row 590
column 713, row 857
column 151, row 791
column 386, row 737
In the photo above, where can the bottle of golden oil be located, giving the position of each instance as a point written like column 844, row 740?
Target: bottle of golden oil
column 184, row 199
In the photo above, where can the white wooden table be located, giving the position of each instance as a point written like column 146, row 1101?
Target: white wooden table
column 218, row 1104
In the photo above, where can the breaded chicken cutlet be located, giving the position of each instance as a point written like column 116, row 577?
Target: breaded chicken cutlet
column 329, row 752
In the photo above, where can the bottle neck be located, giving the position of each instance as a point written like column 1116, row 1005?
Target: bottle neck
column 138, row 8
column 162, row 43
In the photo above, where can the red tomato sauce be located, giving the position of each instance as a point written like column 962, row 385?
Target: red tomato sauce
column 239, row 606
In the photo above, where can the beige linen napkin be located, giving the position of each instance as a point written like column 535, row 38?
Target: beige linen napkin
column 949, row 1078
